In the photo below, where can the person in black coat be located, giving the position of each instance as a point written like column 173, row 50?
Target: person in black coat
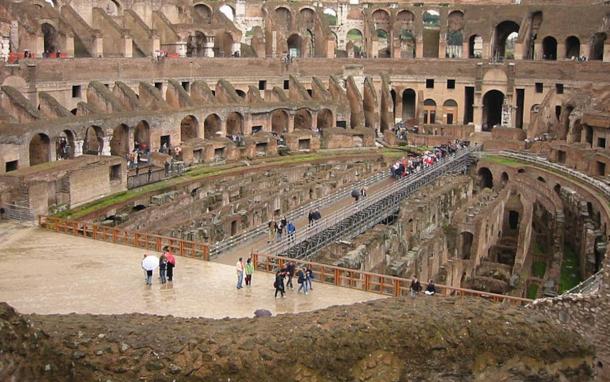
column 279, row 283
column 415, row 287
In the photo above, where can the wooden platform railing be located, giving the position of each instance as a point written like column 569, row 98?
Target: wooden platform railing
column 115, row 235
column 372, row 282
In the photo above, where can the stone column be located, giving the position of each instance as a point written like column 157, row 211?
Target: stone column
column 607, row 51
column 98, row 46
column 127, row 47
column 538, row 51
column 106, row 146
column 290, row 122
column 39, row 48
column 68, row 48
column 314, row 120
column 419, row 47
column 78, row 147
column 236, row 47
column 208, row 46
column 486, row 50
column 477, row 112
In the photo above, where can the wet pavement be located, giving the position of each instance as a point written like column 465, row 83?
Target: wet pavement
column 46, row 272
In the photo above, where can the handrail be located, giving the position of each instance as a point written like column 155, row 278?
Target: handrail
column 115, row 235
column 590, row 285
column 371, row 282
column 287, row 242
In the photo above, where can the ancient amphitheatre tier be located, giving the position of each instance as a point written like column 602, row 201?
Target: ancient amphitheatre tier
column 195, row 124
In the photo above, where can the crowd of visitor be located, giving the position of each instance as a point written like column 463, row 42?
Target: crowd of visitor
column 409, row 165
column 279, row 229
column 303, row 274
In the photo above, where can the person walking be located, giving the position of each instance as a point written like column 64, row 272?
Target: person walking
column 171, row 264
column 290, row 267
column 239, row 267
column 415, row 287
column 145, row 273
column 279, row 283
column 162, row 268
column 309, row 278
column 291, row 231
column 271, row 234
column 301, row 281
column 249, row 269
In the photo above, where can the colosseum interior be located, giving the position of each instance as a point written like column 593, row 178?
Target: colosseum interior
column 197, row 123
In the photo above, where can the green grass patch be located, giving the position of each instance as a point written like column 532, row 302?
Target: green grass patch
column 570, row 270
column 498, row 159
column 538, row 269
column 532, row 291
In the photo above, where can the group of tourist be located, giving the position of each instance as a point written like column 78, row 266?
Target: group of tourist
column 357, row 194
column 166, row 265
column 406, row 166
column 247, row 269
column 314, row 216
column 279, row 229
column 415, row 288
column 304, row 276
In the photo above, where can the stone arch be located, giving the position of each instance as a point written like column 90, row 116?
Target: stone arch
column 119, row 144
column 506, row 34
column 40, row 149
column 466, row 239
column 429, row 111
column 307, row 18
column 279, row 121
column 572, row 47
column 485, row 178
column 212, row 126
column 589, row 134
column 195, row 44
column 303, row 119
column 492, row 109
column 228, row 11
column 504, row 178
column 330, row 15
column 597, row 46
column 240, row 93
column 475, row 46
column 405, row 18
column 541, row 179
column 325, row 119
column 431, row 32
column 93, row 144
column 383, row 43
column 381, row 17
column 295, row 45
column 549, row 48
column 113, row 8
column 283, row 18
column 204, row 13
column 450, row 111
column 223, row 44
column 141, row 135
column 50, row 38
column 189, row 128
column 455, row 37
column 355, row 37
column 409, row 100
column 235, row 124
column 64, row 145
column 408, row 44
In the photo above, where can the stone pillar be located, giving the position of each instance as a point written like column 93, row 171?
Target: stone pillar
column 208, row 46
column 106, row 146
column 398, row 107
column 477, row 112
column 442, row 46
column 466, row 49
column 181, row 48
column 518, row 51
column 68, row 48
column 538, row 51
column 314, row 120
column 561, row 51
column 290, row 122
column 486, row 51
column 419, row 46
column 127, row 47
column 78, row 147
column 607, row 51
column 585, row 48
column 274, row 44
column 39, row 46
column 156, row 43
column 223, row 127
column 248, row 124
column 98, row 46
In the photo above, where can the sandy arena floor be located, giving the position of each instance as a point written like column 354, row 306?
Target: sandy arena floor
column 46, row 272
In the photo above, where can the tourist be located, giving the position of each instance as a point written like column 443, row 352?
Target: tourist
column 290, row 273
column 309, row 277
column 249, row 269
column 239, row 267
column 278, row 284
column 310, row 218
column 271, row 227
column 149, row 273
column 162, row 268
column 278, row 230
column 301, row 281
column 355, row 195
column 145, row 272
column 363, row 192
column 430, row 289
column 415, row 287
column 291, row 229
column 171, row 264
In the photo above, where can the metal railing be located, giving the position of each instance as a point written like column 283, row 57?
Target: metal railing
column 20, row 213
column 371, row 282
column 591, row 285
column 601, row 186
column 119, row 236
column 367, row 212
column 224, row 245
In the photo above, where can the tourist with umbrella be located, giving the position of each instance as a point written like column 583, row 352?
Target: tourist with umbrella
column 149, row 264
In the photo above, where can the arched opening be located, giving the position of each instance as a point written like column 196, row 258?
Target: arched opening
column 466, row 239
column 330, row 15
column 189, row 128
column 295, row 45
column 228, row 11
column 325, row 119
column 577, row 131
column 572, row 47
column 450, row 111
column 119, row 144
column 212, row 127
column 408, row 104
column 549, row 48
column 506, row 35
column 195, row 45
column 407, row 44
column 382, row 46
column 307, row 18
column 240, row 93
column 141, row 136
column 354, row 36
column 475, row 46
column 49, row 33
column 429, row 111
column 541, row 179
column 40, row 149
column 93, row 144
column 589, row 134
column 492, row 109
column 223, row 45
column 64, row 145
column 504, row 178
column 597, row 46
column 283, row 18
column 204, row 13
column 557, row 189
column 431, row 33
column 455, row 38
column 112, row 8
column 302, row 119
column 235, row 124
column 279, row 121
column 485, row 178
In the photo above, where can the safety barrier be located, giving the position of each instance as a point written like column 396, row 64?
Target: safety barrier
column 119, row 236
column 371, row 282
